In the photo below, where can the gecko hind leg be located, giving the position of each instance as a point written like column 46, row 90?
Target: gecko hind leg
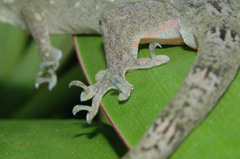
column 114, row 78
column 37, row 24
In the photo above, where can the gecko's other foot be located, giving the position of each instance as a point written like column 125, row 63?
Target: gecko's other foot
column 48, row 67
column 46, row 77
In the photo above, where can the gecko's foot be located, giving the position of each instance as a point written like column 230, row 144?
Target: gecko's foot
column 47, row 73
column 46, row 77
column 105, row 81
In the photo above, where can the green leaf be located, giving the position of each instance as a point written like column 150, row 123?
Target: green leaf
column 153, row 89
column 60, row 139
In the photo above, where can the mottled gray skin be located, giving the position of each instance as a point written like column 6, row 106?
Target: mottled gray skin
column 44, row 17
column 121, row 53
column 212, row 27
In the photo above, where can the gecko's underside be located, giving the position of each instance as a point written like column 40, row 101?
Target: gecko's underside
column 211, row 26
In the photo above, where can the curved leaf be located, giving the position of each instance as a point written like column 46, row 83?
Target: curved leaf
column 153, row 88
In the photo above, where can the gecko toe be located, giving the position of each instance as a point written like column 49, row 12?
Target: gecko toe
column 92, row 111
column 161, row 59
column 52, row 82
column 78, row 84
column 152, row 47
column 88, row 91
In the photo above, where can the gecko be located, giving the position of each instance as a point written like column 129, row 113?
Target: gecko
column 42, row 18
column 210, row 26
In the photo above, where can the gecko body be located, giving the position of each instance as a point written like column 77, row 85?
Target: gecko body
column 45, row 17
column 210, row 26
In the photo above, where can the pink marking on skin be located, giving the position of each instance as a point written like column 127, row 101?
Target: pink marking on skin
column 156, row 33
column 168, row 25
column 177, row 21
column 148, row 35
column 102, row 107
column 135, row 44
column 143, row 61
column 151, row 34
column 161, row 27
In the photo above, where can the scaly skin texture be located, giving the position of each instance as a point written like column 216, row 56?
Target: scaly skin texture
column 44, row 17
column 214, row 29
column 211, row 26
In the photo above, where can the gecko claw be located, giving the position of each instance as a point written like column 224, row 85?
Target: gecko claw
column 152, row 47
column 159, row 59
column 92, row 111
column 78, row 84
column 90, row 115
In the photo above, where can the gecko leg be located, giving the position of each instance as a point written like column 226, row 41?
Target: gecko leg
column 50, row 56
column 113, row 79
column 120, row 59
